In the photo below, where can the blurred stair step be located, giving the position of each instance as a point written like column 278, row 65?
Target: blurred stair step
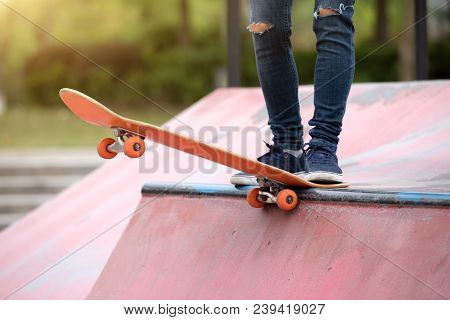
column 36, row 184
column 7, row 218
column 21, row 203
column 48, row 162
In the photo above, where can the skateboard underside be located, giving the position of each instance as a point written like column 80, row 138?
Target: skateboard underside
column 133, row 145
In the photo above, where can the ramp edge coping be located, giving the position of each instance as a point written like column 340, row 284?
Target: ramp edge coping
column 368, row 196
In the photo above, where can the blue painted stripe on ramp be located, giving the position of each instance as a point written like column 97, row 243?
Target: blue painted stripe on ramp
column 420, row 196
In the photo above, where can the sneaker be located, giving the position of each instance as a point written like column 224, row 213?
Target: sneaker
column 321, row 165
column 285, row 159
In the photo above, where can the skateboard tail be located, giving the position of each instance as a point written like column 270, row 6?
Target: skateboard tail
column 89, row 110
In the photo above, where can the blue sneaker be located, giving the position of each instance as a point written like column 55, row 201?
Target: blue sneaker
column 321, row 165
column 285, row 159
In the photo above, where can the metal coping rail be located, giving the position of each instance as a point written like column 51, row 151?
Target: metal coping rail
column 367, row 196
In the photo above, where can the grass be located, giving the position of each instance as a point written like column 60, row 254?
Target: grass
column 33, row 127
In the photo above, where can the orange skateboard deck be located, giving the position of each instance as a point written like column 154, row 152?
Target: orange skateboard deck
column 130, row 135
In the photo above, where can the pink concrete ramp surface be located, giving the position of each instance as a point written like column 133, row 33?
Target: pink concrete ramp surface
column 191, row 235
column 216, row 248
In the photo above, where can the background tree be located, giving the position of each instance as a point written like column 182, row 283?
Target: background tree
column 381, row 24
column 4, row 45
column 406, row 47
column 185, row 25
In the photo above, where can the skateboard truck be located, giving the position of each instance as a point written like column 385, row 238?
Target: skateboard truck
column 131, row 144
column 270, row 191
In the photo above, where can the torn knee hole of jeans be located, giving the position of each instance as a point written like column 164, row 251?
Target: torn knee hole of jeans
column 259, row 27
column 322, row 12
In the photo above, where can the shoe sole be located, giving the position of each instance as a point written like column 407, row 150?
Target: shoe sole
column 249, row 180
column 244, row 180
column 323, row 176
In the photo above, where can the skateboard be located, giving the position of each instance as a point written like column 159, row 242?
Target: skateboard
column 129, row 138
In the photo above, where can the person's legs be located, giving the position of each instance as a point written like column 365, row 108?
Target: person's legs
column 270, row 23
column 334, row 72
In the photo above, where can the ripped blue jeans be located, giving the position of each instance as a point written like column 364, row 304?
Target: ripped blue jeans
column 270, row 24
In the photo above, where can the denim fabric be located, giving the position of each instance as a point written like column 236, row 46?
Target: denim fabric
column 278, row 75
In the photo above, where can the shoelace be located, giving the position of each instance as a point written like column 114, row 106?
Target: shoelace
column 274, row 151
column 316, row 154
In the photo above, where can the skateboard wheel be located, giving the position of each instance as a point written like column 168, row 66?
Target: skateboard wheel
column 102, row 148
column 134, row 147
column 287, row 199
column 252, row 199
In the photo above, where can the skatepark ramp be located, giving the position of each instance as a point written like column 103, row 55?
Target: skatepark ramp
column 169, row 226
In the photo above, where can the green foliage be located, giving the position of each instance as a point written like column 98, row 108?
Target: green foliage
column 374, row 64
column 52, row 68
column 439, row 53
column 159, row 68
column 187, row 74
column 128, row 46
